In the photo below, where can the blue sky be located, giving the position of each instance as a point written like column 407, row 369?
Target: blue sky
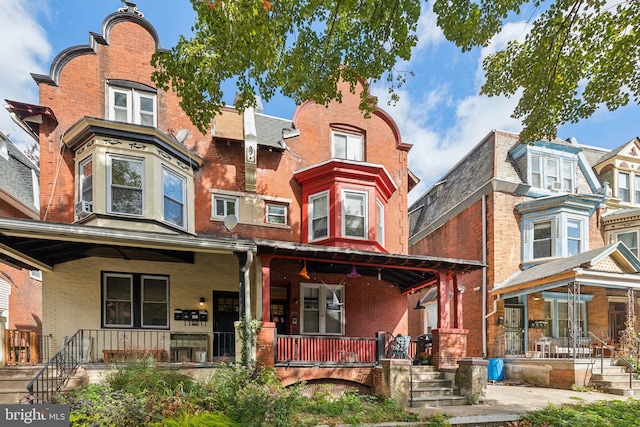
column 440, row 111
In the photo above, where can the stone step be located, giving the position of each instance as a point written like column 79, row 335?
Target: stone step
column 435, row 391
column 14, row 381
column 609, row 384
column 622, row 391
column 440, row 382
column 427, row 376
column 436, row 401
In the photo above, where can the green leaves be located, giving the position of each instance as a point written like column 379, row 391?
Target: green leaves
column 577, row 57
column 301, row 48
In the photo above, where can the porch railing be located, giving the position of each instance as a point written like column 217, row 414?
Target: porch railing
column 25, row 347
column 326, row 350
column 545, row 347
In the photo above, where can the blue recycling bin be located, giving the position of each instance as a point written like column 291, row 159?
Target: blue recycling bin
column 496, row 369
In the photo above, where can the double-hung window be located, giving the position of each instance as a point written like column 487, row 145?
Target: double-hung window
column 322, row 309
column 348, row 146
column 319, row 216
column 561, row 319
column 379, row 222
column 225, row 205
column 173, row 190
column 125, row 185
column 354, row 214
column 574, row 237
column 132, row 105
column 135, row 301
column 276, row 214
column 85, row 187
column 542, row 243
column 552, row 173
column 624, row 190
column 630, row 239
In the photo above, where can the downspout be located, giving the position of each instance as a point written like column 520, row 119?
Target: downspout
column 484, row 277
column 246, row 294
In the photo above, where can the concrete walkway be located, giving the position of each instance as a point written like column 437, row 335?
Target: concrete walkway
column 505, row 403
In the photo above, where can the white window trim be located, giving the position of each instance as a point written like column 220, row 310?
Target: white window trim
column 88, row 159
column 349, row 137
column 634, row 250
column 324, row 295
column 559, row 236
column 183, row 179
column 226, row 198
column 133, row 104
column 365, row 214
column 110, row 157
column 560, row 161
column 36, row 275
column 380, row 228
column 629, row 190
column 284, row 215
column 310, row 218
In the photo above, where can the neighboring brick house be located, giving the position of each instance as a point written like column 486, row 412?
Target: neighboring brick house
column 299, row 223
column 534, row 215
column 20, row 289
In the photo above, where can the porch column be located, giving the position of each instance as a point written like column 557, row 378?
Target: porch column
column 444, row 314
column 266, row 291
column 458, row 290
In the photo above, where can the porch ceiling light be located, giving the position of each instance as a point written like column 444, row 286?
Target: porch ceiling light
column 303, row 273
column 201, row 301
column 353, row 274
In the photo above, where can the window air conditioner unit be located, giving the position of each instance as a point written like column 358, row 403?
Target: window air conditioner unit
column 83, row 209
column 555, row 186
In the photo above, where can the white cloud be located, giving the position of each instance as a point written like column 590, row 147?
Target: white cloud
column 24, row 50
column 428, row 32
column 437, row 149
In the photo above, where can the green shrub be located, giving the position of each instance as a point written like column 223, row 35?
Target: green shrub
column 208, row 419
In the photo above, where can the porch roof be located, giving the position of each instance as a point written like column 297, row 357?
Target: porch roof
column 612, row 266
column 41, row 245
column 408, row 272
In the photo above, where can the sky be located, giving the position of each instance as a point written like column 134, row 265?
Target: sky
column 440, row 110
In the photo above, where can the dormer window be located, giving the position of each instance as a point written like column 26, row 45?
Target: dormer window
column 348, row 146
column 552, row 173
column 135, row 104
column 624, row 189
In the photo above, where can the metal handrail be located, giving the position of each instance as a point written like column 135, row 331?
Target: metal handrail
column 632, row 366
column 56, row 372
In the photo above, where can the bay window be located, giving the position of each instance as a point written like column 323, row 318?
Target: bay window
column 542, row 244
column 173, row 190
column 379, row 222
column 630, row 239
column 354, row 214
column 319, row 216
column 624, row 190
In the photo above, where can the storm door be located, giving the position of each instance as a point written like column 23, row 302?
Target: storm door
column 513, row 330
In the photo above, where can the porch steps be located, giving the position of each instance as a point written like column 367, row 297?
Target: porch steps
column 430, row 388
column 14, row 381
column 614, row 379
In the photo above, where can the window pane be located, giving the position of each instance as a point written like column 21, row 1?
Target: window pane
column 173, row 198
column 276, row 214
column 86, row 183
column 220, row 207
column 146, row 119
column 630, row 240
column 340, row 146
column 567, row 176
column 154, row 306
column 573, row 237
column 623, row 187
column 126, row 201
column 354, row 214
column 311, row 310
column 146, row 105
column 118, row 304
column 126, row 173
column 636, row 184
column 120, row 99
column 354, row 148
column 319, row 217
column 542, row 240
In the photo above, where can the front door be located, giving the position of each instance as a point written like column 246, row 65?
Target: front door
column 226, row 311
column 513, row 330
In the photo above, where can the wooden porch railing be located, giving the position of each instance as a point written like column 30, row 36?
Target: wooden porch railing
column 21, row 347
column 328, row 350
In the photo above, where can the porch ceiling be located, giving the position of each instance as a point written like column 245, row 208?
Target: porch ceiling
column 402, row 270
column 41, row 245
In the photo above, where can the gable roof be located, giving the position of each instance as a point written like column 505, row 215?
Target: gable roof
column 613, row 266
column 621, row 150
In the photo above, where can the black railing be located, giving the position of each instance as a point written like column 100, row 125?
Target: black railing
column 56, row 372
column 602, row 345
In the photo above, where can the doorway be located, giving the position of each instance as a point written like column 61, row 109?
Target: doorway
column 513, row 330
column 279, row 315
column 226, row 311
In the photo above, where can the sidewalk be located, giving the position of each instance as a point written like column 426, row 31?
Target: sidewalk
column 505, row 403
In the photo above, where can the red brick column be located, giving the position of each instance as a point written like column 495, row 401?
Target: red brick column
column 265, row 348
column 444, row 315
column 449, row 346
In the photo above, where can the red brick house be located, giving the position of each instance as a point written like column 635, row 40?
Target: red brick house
column 559, row 283
column 159, row 237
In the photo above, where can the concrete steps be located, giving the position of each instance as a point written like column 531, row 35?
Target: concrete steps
column 430, row 388
column 614, row 379
column 14, row 381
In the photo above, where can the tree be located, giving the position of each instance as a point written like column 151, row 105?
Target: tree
column 300, row 47
column 577, row 56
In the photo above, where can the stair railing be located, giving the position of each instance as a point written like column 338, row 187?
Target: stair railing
column 56, row 372
column 633, row 366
